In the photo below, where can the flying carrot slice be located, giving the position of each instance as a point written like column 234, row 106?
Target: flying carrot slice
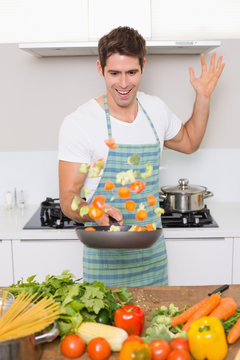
column 139, row 228
column 109, row 185
column 151, row 200
column 98, row 201
column 95, row 212
column 90, row 229
column 150, row 227
column 137, row 186
column 124, row 192
column 141, row 214
column 130, row 205
column 111, row 143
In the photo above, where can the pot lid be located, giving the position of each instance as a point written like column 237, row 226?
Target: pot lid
column 183, row 188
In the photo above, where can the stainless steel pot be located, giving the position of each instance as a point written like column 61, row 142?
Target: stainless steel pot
column 27, row 348
column 184, row 197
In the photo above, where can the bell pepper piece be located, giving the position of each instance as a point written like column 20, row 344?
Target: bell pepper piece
column 135, row 350
column 207, row 339
column 130, row 318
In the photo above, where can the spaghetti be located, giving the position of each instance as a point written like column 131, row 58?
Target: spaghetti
column 28, row 315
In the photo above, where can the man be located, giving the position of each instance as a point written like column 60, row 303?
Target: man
column 140, row 125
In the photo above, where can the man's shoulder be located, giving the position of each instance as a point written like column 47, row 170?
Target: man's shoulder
column 85, row 111
column 150, row 100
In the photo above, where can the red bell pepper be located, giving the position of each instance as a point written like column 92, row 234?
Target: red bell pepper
column 130, row 318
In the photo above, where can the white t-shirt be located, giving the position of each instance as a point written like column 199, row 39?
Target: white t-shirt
column 82, row 133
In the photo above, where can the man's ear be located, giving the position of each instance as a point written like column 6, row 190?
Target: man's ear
column 99, row 68
column 143, row 65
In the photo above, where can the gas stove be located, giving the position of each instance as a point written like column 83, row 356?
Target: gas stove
column 50, row 216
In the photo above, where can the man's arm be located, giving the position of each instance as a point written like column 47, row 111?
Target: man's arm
column 71, row 182
column 191, row 133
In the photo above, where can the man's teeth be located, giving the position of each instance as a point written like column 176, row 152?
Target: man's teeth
column 123, row 92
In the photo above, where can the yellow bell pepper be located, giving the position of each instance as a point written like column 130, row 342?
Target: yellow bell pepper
column 207, row 339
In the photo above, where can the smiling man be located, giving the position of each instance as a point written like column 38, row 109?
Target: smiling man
column 141, row 125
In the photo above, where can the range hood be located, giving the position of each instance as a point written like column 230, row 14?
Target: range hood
column 90, row 47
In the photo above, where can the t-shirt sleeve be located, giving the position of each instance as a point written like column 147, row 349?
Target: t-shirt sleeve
column 173, row 124
column 73, row 144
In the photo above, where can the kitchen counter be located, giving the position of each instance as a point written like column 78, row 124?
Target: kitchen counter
column 150, row 298
column 225, row 214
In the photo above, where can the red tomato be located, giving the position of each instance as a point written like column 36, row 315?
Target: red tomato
column 109, row 185
column 160, row 349
column 98, row 349
column 130, row 205
column 134, row 338
column 124, row 192
column 111, row 143
column 177, row 354
column 141, row 214
column 72, row 346
column 98, row 201
column 137, row 186
column 95, row 212
column 180, row 344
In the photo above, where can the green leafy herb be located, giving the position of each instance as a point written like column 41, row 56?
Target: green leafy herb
column 230, row 322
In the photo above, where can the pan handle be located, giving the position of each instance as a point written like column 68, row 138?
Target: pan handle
column 162, row 196
column 47, row 336
column 207, row 194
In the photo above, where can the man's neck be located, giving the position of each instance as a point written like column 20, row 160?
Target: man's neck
column 126, row 114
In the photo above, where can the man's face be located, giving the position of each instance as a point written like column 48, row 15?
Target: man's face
column 122, row 75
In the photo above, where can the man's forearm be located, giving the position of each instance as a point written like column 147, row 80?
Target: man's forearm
column 196, row 125
column 66, row 203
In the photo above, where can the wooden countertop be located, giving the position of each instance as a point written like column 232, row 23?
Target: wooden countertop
column 152, row 297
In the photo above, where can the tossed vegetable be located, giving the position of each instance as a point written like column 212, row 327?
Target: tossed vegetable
column 98, row 201
column 151, row 200
column 76, row 201
column 109, row 185
column 137, row 186
column 130, row 205
column 148, row 172
column 124, row 192
column 134, row 159
column 130, row 318
column 141, row 213
column 207, row 339
column 95, row 212
column 111, row 143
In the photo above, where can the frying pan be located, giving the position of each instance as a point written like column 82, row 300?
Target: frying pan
column 123, row 239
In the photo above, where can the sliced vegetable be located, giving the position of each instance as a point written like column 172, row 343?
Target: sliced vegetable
column 211, row 303
column 84, row 210
column 114, row 228
column 207, row 339
column 98, row 201
column 85, row 192
column 148, row 172
column 225, row 309
column 125, row 177
column 99, row 163
column 114, row 335
column 111, row 143
column 98, row 349
column 72, row 346
column 130, row 318
column 109, row 185
column 84, row 168
column 134, row 159
column 135, row 350
column 141, row 213
column 130, row 205
column 151, row 227
column 95, row 170
column 76, row 201
column 137, row 186
column 159, row 211
column 124, row 192
column 90, row 229
column 95, row 212
column 151, row 200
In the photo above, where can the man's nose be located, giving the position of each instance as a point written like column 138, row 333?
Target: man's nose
column 123, row 81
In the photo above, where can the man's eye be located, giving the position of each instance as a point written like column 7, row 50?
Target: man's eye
column 132, row 72
column 113, row 73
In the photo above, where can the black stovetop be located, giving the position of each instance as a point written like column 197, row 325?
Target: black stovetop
column 50, row 216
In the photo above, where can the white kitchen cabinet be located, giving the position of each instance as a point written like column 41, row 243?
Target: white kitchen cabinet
column 43, row 257
column 106, row 15
column 200, row 261
column 236, row 261
column 6, row 266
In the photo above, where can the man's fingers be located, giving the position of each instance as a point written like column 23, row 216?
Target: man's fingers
column 192, row 74
column 212, row 63
column 203, row 62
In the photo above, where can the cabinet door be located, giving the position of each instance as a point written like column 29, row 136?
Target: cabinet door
column 43, row 257
column 199, row 261
column 6, row 267
column 106, row 15
column 236, row 262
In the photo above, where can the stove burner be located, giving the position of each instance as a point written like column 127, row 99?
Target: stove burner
column 52, row 215
column 190, row 219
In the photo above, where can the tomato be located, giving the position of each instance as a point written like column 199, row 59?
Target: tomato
column 151, row 200
column 141, row 214
column 134, row 338
column 90, row 229
column 160, row 349
column 179, row 343
column 137, row 186
column 98, row 349
column 103, row 316
column 130, row 205
column 72, row 346
column 177, row 354
column 109, row 185
column 95, row 212
column 98, row 201
column 111, row 143
column 124, row 192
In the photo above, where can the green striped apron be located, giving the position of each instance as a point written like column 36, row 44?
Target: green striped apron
column 144, row 267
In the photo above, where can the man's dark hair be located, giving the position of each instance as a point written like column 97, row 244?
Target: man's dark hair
column 123, row 40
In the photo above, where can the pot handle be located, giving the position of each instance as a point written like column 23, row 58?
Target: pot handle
column 207, row 194
column 47, row 336
column 162, row 196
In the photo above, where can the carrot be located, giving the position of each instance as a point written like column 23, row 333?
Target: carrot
column 205, row 310
column 225, row 309
column 234, row 333
column 183, row 317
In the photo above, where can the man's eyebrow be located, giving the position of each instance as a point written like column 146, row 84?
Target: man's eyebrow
column 117, row 71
